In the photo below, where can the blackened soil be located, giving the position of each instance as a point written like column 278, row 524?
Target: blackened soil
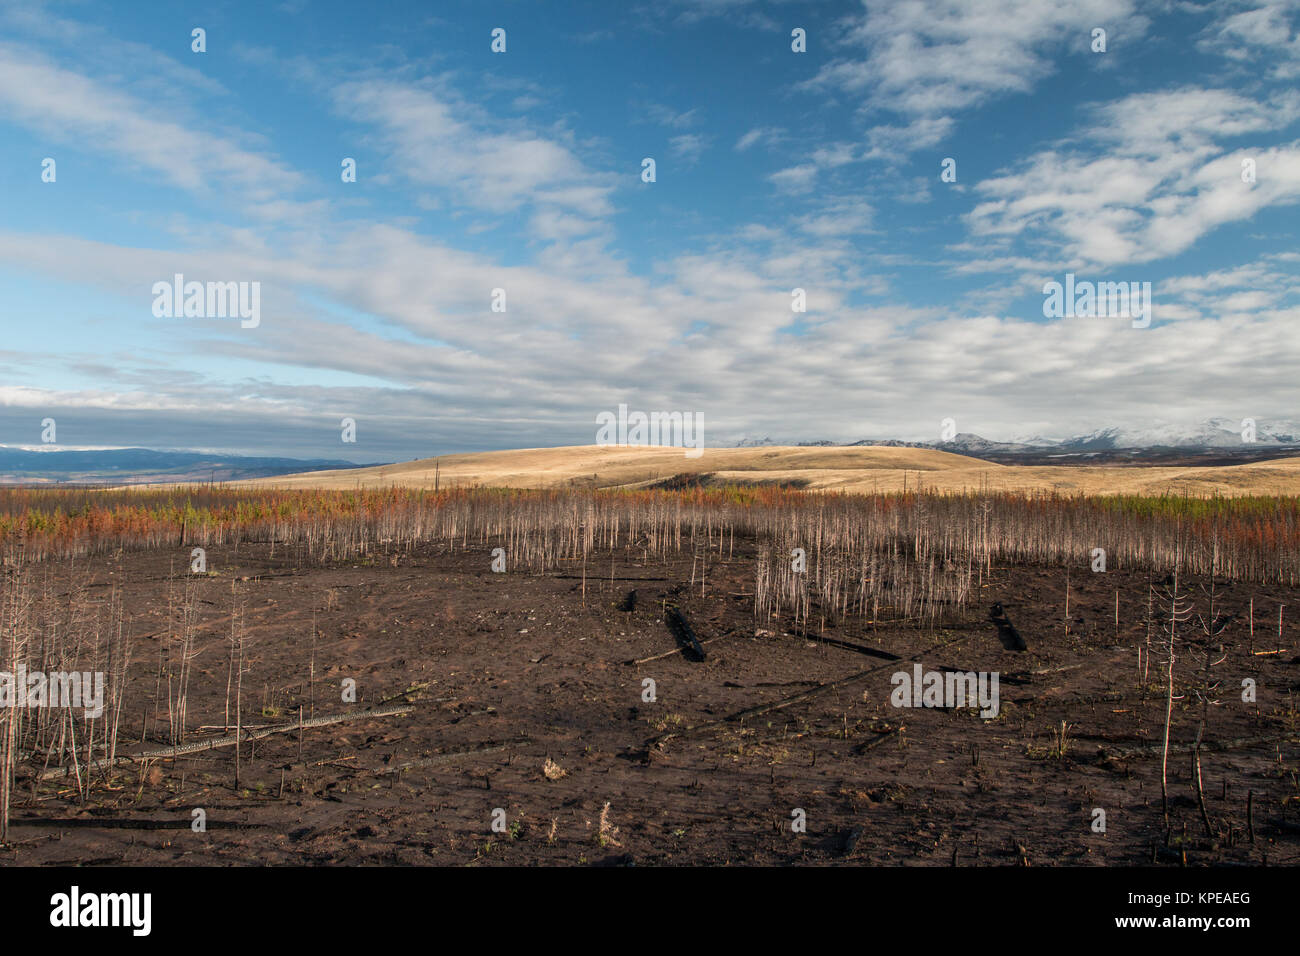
column 523, row 700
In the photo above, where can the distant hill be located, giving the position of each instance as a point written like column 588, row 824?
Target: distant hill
column 859, row 469
column 125, row 466
column 965, row 459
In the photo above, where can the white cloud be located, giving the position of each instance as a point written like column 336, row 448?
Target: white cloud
column 667, row 116
column 689, row 147
column 74, row 109
column 713, row 334
column 928, row 60
column 891, row 142
column 845, row 217
column 760, row 135
column 795, row 178
column 802, row 177
column 1146, row 179
column 1248, row 31
column 482, row 162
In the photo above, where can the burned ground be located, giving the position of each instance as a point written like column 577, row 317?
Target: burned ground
column 522, row 692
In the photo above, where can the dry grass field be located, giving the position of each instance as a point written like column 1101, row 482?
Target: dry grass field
column 864, row 469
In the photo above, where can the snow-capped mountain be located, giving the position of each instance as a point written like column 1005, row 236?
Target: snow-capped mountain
column 1213, row 441
column 1212, row 433
column 1216, row 439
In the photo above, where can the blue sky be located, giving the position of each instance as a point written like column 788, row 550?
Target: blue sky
column 522, row 171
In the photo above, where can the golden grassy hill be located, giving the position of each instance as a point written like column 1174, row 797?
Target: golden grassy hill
column 855, row 469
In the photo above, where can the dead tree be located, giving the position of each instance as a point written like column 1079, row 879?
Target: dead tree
column 1175, row 607
column 1205, row 686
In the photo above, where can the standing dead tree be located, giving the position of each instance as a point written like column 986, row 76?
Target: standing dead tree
column 1175, row 607
column 1205, row 686
column 12, row 620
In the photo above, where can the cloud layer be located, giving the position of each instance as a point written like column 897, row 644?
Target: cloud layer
column 520, row 185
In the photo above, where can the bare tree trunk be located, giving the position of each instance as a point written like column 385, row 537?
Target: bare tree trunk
column 1169, row 703
column 1200, row 788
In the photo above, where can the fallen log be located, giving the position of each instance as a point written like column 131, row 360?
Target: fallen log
column 1235, row 744
column 796, row 698
column 164, row 753
column 597, row 577
column 676, row 650
column 110, row 823
column 448, row 757
column 1006, row 678
column 1007, row 633
column 879, row 739
column 685, row 636
column 856, row 648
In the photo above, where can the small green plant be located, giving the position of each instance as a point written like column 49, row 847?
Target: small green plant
column 607, row 835
column 1061, row 741
column 1060, row 745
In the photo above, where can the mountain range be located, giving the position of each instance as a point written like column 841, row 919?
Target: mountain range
column 1216, row 441
column 1213, row 441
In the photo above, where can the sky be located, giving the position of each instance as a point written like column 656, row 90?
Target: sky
column 501, row 272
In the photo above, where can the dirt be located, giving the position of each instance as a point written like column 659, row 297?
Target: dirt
column 522, row 700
